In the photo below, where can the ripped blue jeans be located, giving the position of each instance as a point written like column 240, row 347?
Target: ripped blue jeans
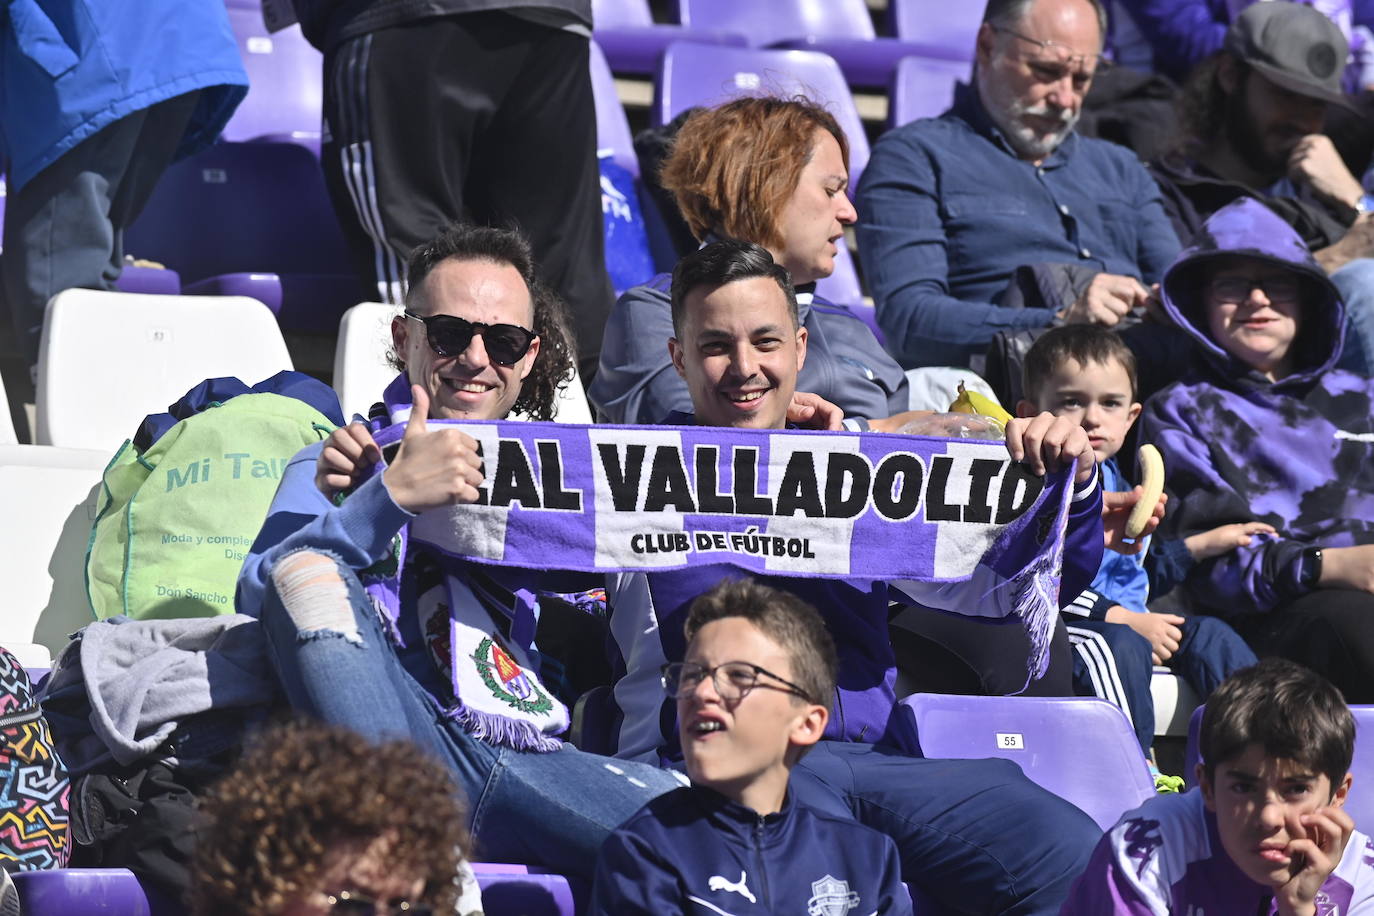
column 554, row 808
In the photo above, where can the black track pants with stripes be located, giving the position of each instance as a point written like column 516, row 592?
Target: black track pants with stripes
column 484, row 117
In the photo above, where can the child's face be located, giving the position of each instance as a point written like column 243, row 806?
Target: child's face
column 1097, row 396
column 1254, row 313
column 1257, row 800
column 733, row 744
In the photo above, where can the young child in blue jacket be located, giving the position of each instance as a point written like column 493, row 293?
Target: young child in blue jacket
column 1086, row 372
column 753, row 694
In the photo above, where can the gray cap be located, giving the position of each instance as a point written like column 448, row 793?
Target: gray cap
column 1292, row 45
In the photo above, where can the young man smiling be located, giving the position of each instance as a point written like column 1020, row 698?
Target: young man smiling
column 738, row 344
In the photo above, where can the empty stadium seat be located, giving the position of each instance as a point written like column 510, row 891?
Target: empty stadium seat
column 1174, row 702
column 841, row 28
column 1081, row 749
column 107, row 360
column 1359, row 804
column 285, row 82
column 633, row 42
column 49, row 497
column 693, row 74
column 923, row 87
column 252, row 219
column 361, row 371
column 951, row 27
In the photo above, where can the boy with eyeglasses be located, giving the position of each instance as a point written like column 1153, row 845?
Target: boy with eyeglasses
column 753, row 695
column 1087, row 373
column 1265, row 428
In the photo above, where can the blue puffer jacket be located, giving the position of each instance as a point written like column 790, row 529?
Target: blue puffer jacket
column 694, row 851
column 71, row 67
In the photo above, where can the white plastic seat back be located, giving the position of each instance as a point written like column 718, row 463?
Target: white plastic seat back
column 7, row 436
column 361, row 371
column 48, row 498
column 107, row 360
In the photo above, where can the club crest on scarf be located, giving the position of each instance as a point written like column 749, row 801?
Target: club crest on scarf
column 506, row 680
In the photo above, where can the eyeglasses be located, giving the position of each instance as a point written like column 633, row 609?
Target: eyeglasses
column 449, row 335
column 732, row 680
column 1235, row 290
column 1061, row 60
column 348, row 903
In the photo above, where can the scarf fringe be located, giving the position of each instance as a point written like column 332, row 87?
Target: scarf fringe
column 503, row 730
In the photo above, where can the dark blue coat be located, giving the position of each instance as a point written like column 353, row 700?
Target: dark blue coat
column 695, row 851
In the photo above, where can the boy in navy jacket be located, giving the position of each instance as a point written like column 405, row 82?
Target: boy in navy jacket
column 753, row 694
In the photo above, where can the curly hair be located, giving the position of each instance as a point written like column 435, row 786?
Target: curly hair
column 553, row 367
column 304, row 790
column 733, row 168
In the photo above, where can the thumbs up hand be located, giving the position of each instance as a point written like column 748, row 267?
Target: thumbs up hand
column 433, row 468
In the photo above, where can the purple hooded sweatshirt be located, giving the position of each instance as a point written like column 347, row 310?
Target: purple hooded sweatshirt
column 1297, row 453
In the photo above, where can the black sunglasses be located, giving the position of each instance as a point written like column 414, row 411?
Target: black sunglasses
column 449, row 335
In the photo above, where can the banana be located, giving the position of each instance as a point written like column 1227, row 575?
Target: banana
column 981, row 405
column 1152, row 481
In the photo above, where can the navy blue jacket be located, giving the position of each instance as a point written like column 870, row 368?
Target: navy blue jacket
column 695, row 851
column 948, row 211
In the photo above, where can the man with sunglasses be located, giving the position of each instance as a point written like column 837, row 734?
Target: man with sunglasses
column 951, row 207
column 388, row 639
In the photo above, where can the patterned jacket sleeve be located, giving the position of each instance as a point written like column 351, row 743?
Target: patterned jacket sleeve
column 1108, row 887
column 1256, row 577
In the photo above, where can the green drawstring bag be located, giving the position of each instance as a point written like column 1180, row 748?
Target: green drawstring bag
column 178, row 517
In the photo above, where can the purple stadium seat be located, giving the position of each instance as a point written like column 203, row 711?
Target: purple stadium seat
column 1359, row 803
column 73, row 891
column 1082, row 750
column 252, row 210
column 285, row 82
column 923, row 87
column 948, row 26
column 507, row 890
column 841, row 28
column 515, row 890
column 693, row 74
column 633, row 42
column 149, row 280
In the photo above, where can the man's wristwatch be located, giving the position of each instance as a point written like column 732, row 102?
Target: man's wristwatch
column 1310, row 569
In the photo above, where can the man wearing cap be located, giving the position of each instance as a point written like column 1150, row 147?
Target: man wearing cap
column 1251, row 118
column 951, row 207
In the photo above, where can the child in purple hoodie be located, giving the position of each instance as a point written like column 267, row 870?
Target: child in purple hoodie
column 1264, row 832
column 1264, row 428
